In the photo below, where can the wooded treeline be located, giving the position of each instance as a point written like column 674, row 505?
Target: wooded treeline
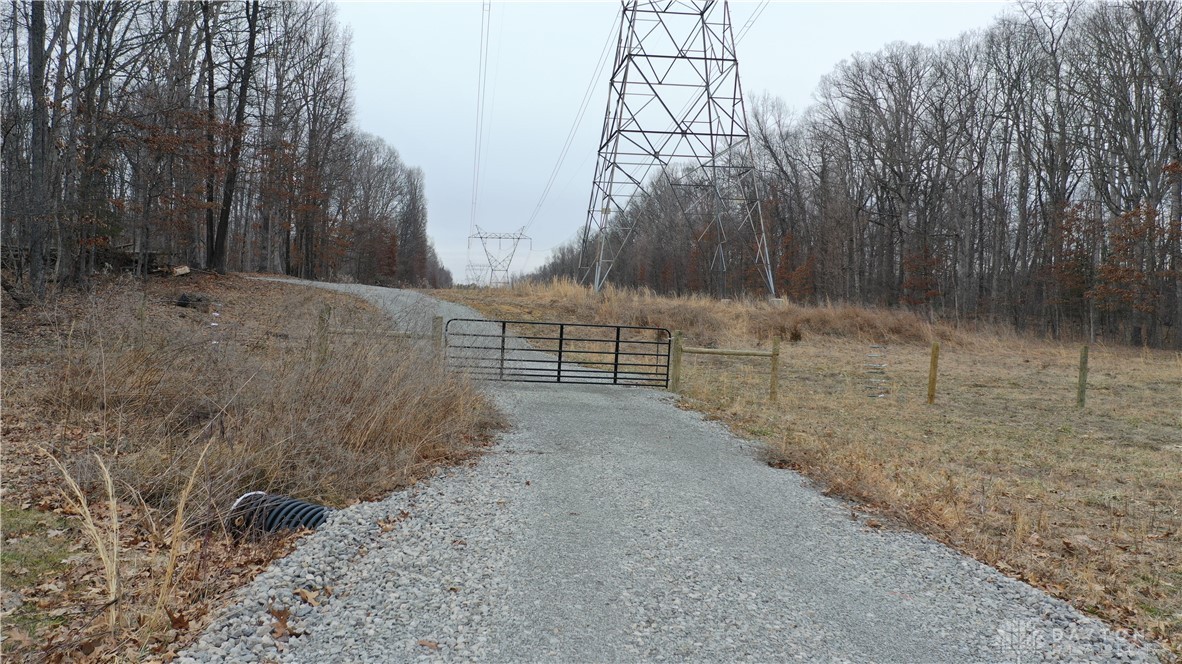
column 215, row 134
column 1030, row 172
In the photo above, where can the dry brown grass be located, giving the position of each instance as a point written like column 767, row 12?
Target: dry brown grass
column 1085, row 504
column 331, row 418
column 704, row 320
column 189, row 408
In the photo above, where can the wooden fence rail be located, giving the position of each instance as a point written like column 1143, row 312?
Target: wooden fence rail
column 679, row 349
column 324, row 329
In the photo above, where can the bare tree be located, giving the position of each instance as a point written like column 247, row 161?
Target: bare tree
column 217, row 259
column 39, row 152
column 1029, row 171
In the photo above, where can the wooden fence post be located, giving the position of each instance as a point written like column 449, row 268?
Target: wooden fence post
column 322, row 332
column 1081, row 393
column 932, row 372
column 675, row 363
column 774, row 383
column 437, row 332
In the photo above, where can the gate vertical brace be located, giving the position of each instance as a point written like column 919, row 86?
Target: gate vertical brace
column 501, row 374
column 561, row 342
column 616, row 360
column 668, row 359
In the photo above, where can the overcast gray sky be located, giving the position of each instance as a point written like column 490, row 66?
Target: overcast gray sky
column 416, row 70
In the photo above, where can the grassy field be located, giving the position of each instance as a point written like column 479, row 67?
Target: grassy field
column 1086, row 504
column 163, row 415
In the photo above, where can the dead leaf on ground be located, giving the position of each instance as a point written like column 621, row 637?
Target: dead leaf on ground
column 429, row 644
column 1079, row 543
column 178, row 620
column 280, row 630
column 309, row 596
column 19, row 637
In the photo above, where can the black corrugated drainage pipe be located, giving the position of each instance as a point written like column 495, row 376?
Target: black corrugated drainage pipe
column 259, row 511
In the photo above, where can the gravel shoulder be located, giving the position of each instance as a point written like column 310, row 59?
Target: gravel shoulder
column 609, row 525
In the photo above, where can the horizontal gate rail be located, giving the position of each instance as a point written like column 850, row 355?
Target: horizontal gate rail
column 542, row 352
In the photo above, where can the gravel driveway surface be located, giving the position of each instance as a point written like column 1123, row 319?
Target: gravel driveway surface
column 608, row 525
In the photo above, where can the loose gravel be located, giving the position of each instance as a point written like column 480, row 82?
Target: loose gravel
column 608, row 525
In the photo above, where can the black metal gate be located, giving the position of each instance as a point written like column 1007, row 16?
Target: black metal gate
column 532, row 352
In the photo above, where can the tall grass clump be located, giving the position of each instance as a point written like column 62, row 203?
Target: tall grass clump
column 104, row 537
column 713, row 321
column 273, row 398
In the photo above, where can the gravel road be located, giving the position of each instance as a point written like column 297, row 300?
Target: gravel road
column 608, row 525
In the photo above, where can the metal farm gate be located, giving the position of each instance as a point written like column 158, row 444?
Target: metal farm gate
column 532, row 352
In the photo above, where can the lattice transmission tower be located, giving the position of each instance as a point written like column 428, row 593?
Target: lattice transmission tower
column 675, row 113
column 499, row 249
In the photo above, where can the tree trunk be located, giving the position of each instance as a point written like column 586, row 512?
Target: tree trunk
column 218, row 257
column 210, row 120
column 39, row 154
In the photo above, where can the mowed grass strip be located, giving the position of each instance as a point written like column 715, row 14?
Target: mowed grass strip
column 34, row 548
column 1086, row 504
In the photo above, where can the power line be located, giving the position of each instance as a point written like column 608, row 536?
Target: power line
column 481, row 90
column 751, row 21
column 481, row 84
column 570, row 136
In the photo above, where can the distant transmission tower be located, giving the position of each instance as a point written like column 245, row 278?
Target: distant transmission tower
column 675, row 100
column 475, row 273
column 499, row 249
